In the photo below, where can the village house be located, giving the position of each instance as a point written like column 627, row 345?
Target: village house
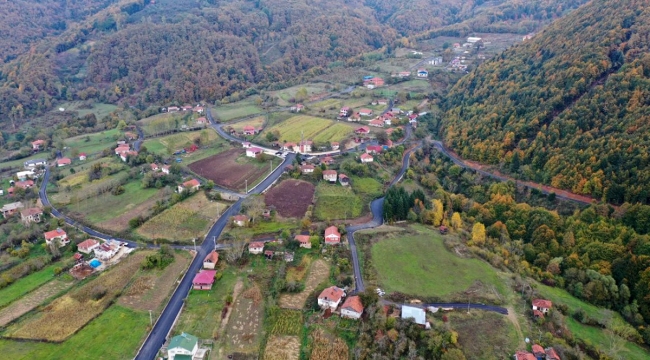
column 551, row 354
column 373, row 82
column 335, row 146
column 538, row 351
column 404, row 74
column 246, row 144
column 374, row 149
column 202, row 121
column 24, row 175
column 122, row 148
column 27, row 184
column 524, row 355
column 344, row 180
column 329, row 175
column 422, row 73
column 352, row 308
column 82, row 157
column 240, row 220
column 37, row 145
column 256, row 247
column 541, row 307
column 211, row 260
column 418, row 315
column 366, row 158
column 34, row 163
column 382, row 102
column 63, row 162
column 198, row 109
column 304, row 146
column 362, row 130
column 31, row 215
column 332, row 236
column 288, row 146
column 204, row 280
column 173, row 109
column 345, row 111
column 107, row 250
column 154, row 167
column 268, row 254
column 253, row 152
column 10, row 209
column 165, row 169
column 182, row 347
column 331, row 297
column 297, row 108
column 365, row 112
column 376, row 123
column 327, row 160
column 303, row 240
column 59, row 236
column 125, row 154
column 190, row 185
column 87, row 246
column 307, row 169
column 355, row 117
column 187, row 108
column 249, row 130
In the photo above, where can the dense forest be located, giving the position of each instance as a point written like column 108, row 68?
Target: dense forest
column 569, row 108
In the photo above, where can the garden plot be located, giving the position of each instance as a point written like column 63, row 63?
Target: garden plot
column 231, row 169
column 327, row 347
column 319, row 272
column 245, row 322
column 311, row 128
column 32, row 300
column 282, row 348
column 291, row 198
column 336, row 202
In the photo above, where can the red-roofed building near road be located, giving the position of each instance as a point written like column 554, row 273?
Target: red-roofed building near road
column 122, row 148
column 307, row 169
column 63, row 161
column 256, row 247
column 551, row 354
column 204, row 280
column 524, row 355
column 374, row 149
column 344, row 180
column 87, row 246
column 249, row 130
column 154, row 167
column 327, row 160
column 190, row 185
column 329, row 175
column 38, row 144
column 304, row 146
column 253, row 152
column 332, row 236
column 376, row 123
column 30, row 215
column 373, row 83
column 345, row 111
column 59, row 236
column 211, row 260
column 366, row 158
column 352, row 308
column 288, row 146
column 542, row 305
column 330, row 298
column 297, row 108
column 240, row 220
column 202, row 121
column 304, row 241
column 362, row 130
column 365, row 112
column 82, row 157
column 335, row 145
column 538, row 351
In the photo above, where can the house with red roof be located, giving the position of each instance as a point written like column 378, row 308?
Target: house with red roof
column 63, row 162
column 204, row 280
column 165, row 169
column 253, row 152
column 327, row 160
column 345, row 111
column 211, row 260
column 249, row 130
column 87, row 246
column 27, row 184
column 122, row 148
column 538, row 351
column 38, row 145
column 366, row 158
column 31, row 215
column 344, row 180
column 304, row 146
column 365, row 112
column 304, row 241
column 332, row 236
column 198, row 109
column 192, row 148
column 288, row 146
column 335, row 145
column 541, row 307
column 82, row 157
column 190, row 185
column 202, row 121
column 154, row 167
column 331, row 298
column 125, row 154
column 362, row 130
column 355, row 117
column 551, row 354
column 352, row 308
column 373, row 82
column 256, row 247
column 524, row 355
column 374, row 149
column 297, row 108
column 240, row 220
column 307, row 169
column 329, row 175
column 376, row 123
column 58, row 236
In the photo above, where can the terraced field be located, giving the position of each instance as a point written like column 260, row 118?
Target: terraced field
column 313, row 128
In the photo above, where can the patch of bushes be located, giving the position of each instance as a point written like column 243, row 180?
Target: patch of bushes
column 160, row 260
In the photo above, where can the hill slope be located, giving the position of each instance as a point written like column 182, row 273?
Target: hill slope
column 570, row 108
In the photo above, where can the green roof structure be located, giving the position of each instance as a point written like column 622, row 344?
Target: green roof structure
column 185, row 341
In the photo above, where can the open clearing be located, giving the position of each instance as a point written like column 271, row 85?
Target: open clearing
column 297, row 273
column 32, row 300
column 336, row 202
column 167, row 122
column 93, row 143
column 207, row 140
column 314, row 90
column 403, row 266
column 291, row 198
column 313, row 128
column 245, row 323
column 501, row 343
column 115, row 334
column 319, row 272
column 256, row 122
column 69, row 313
column 237, row 109
column 230, row 169
column 282, row 348
column 600, row 340
column 184, row 221
column 99, row 109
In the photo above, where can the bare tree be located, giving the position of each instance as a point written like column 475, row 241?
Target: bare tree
column 254, row 206
column 235, row 251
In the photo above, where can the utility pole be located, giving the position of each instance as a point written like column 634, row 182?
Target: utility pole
column 194, row 241
column 150, row 319
column 271, row 169
column 246, row 185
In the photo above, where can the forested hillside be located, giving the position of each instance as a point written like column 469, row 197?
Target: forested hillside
column 569, row 108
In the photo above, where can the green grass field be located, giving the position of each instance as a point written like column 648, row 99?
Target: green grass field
column 165, row 122
column 115, row 334
column 419, row 264
column 560, row 296
column 336, row 202
column 99, row 109
column 20, row 162
column 599, row 339
column 313, row 128
column 97, row 141
column 237, row 110
column 26, row 284
column 368, row 188
column 211, row 144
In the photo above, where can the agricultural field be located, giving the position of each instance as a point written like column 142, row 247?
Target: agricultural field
column 402, row 266
column 209, row 144
column 149, row 289
column 94, row 143
column 598, row 338
column 185, row 220
column 27, row 284
column 72, row 311
column 291, row 198
column 245, row 323
column 256, row 122
column 314, row 91
column 168, row 122
column 237, row 109
column 231, row 169
column 297, row 273
column 367, row 188
column 97, row 340
column 336, row 202
column 318, row 273
column 285, row 322
column 31, row 300
column 501, row 343
column 282, row 348
column 327, row 346
column 313, row 128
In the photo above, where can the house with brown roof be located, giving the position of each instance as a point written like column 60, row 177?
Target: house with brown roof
column 87, row 246
column 376, row 123
column 362, row 130
column 154, row 167
column 82, row 157
column 307, row 169
column 335, row 145
column 352, row 308
column 31, row 215
column 365, row 112
column 327, row 160
column 344, row 180
column 256, row 247
column 538, row 351
column 38, row 144
column 58, row 236
column 374, row 149
column 190, row 185
column 551, row 354
column 304, row 241
column 211, row 260
column 541, row 307
column 524, row 355
column 204, row 280
column 329, row 175
column 240, row 220
column 366, row 158
column 10, row 209
column 63, row 162
column 332, row 236
column 331, row 297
